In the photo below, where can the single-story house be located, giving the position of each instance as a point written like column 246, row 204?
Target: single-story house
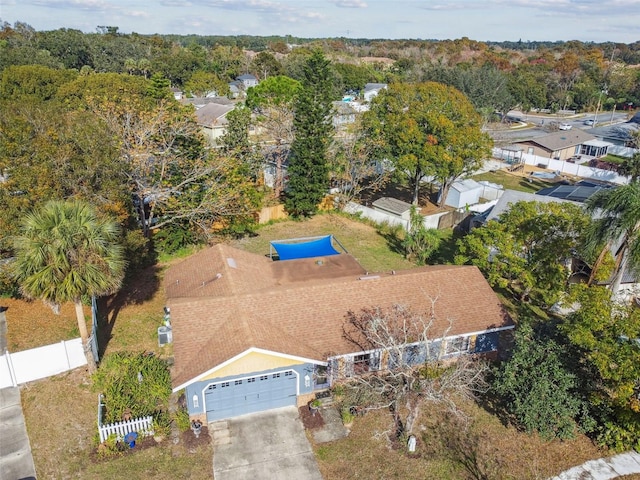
column 212, row 119
column 464, row 193
column 252, row 334
column 372, row 89
column 564, row 145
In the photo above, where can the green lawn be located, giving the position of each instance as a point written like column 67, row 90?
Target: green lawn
column 514, row 182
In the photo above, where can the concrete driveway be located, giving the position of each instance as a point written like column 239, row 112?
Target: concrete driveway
column 268, row 445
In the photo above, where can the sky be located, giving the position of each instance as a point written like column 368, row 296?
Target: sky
column 482, row 20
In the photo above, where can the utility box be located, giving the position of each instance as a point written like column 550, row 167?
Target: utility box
column 165, row 335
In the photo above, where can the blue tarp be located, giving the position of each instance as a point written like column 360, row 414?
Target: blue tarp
column 314, row 248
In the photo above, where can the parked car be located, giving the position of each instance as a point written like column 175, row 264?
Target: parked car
column 564, row 126
column 590, row 122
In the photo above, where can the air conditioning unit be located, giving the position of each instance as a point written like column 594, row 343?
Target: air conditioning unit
column 164, row 335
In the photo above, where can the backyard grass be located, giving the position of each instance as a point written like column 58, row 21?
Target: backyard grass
column 513, row 181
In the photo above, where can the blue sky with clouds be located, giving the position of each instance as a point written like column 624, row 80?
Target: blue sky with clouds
column 483, row 20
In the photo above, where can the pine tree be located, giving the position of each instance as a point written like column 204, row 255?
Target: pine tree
column 308, row 169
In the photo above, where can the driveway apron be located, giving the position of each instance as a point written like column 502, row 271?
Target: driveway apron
column 268, row 445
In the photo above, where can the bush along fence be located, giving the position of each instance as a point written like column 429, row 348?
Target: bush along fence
column 142, row 426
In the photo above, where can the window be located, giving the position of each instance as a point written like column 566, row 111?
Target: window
column 276, row 375
column 251, row 380
column 264, row 377
column 224, row 384
column 361, row 363
column 288, row 374
column 457, row 345
column 238, row 382
column 212, row 387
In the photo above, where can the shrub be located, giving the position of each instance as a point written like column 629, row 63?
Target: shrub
column 138, row 384
column 182, row 419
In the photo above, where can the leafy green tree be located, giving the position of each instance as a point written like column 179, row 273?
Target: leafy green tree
column 428, row 129
column 607, row 334
column 616, row 222
column 536, row 386
column 200, row 84
column 527, row 249
column 235, row 141
column 273, row 101
column 33, row 82
column 50, row 153
column 158, row 88
column 266, row 65
column 66, row 252
column 420, row 242
column 69, row 46
column 308, row 169
column 631, row 167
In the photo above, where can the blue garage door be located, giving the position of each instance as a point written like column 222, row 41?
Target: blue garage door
column 250, row 394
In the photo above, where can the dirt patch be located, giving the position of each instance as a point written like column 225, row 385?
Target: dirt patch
column 33, row 324
column 309, row 420
column 190, row 442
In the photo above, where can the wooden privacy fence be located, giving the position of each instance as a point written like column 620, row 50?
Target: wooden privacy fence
column 143, row 426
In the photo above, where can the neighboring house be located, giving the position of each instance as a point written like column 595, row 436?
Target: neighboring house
column 343, row 114
column 212, row 119
column 565, row 144
column 235, row 89
column 252, row 334
column 247, row 80
column 619, row 134
column 372, row 89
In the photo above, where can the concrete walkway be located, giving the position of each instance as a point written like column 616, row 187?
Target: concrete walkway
column 604, row 468
column 16, row 462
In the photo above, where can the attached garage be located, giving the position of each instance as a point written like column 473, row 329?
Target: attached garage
column 250, row 394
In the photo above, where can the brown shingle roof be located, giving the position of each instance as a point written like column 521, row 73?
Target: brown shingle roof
column 306, row 318
column 562, row 139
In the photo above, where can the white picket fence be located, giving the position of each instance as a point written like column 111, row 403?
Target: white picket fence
column 143, row 426
column 28, row 365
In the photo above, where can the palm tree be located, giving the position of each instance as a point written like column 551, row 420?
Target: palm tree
column 617, row 223
column 66, row 252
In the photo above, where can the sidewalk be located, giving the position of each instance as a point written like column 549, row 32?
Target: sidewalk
column 16, row 461
column 604, row 468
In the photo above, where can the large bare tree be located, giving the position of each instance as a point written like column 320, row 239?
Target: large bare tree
column 410, row 364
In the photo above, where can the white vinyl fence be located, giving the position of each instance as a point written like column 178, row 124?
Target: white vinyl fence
column 28, row 365
column 142, row 426
column 430, row 221
column 567, row 168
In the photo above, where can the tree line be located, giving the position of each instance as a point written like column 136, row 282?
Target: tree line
column 496, row 76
